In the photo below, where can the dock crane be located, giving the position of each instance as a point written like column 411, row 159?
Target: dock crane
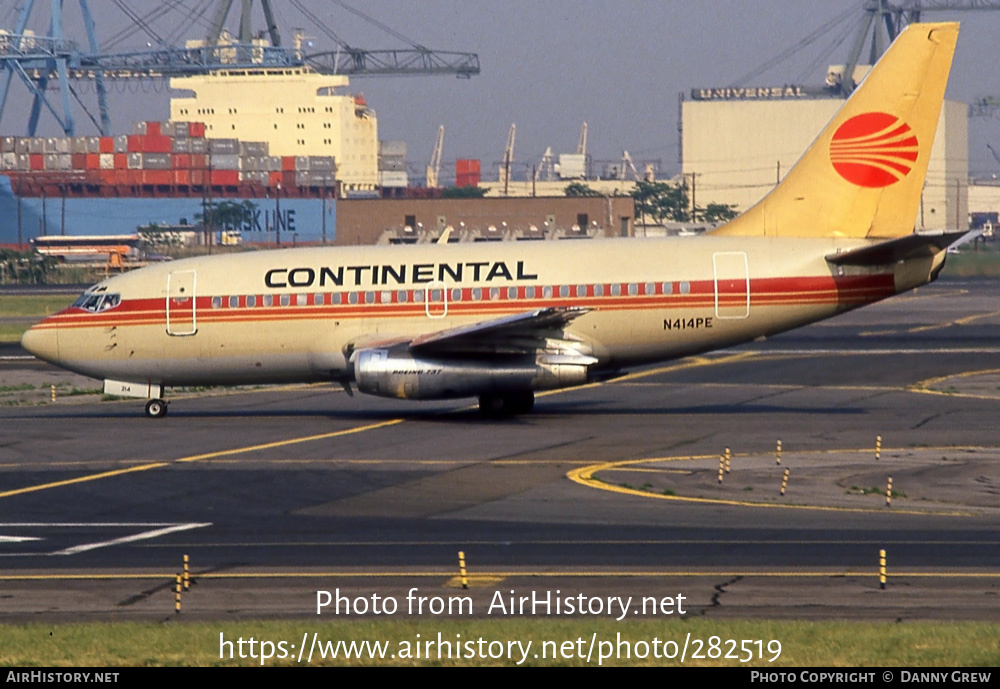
column 434, row 169
column 37, row 60
column 508, row 159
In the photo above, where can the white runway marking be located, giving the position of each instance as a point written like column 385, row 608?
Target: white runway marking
column 145, row 535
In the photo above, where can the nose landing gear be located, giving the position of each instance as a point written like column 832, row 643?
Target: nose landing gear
column 156, row 409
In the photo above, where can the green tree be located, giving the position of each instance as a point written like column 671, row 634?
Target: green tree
column 577, row 189
column 661, row 201
column 717, row 212
column 463, row 192
column 228, row 215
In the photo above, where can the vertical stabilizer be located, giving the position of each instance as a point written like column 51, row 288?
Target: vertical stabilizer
column 864, row 175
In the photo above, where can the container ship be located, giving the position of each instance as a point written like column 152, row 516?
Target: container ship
column 284, row 157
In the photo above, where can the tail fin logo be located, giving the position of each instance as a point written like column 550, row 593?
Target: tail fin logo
column 874, row 149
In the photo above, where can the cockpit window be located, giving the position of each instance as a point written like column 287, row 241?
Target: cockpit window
column 95, row 303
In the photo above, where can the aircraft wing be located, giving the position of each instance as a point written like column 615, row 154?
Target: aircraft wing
column 522, row 333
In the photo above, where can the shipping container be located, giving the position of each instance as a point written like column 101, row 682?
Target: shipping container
column 156, row 161
column 226, row 177
column 253, row 148
column 107, row 144
column 224, row 146
column 391, row 164
column 157, row 177
column 225, row 162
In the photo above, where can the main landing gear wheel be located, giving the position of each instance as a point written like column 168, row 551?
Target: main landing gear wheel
column 156, row 409
column 509, row 404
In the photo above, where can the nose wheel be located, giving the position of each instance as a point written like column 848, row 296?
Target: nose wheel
column 156, row 409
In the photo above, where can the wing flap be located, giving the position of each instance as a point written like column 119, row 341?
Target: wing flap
column 520, row 333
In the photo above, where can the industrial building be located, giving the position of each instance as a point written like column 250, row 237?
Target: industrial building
column 368, row 221
column 738, row 143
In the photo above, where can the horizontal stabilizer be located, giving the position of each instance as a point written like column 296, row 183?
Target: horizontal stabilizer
column 920, row 245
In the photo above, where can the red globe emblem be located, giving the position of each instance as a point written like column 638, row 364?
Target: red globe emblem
column 873, row 150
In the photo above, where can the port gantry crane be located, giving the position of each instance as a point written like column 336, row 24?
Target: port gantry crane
column 37, row 60
column 894, row 16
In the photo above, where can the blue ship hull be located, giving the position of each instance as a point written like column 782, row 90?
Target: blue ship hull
column 301, row 219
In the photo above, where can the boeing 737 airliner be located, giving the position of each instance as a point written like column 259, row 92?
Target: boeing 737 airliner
column 501, row 321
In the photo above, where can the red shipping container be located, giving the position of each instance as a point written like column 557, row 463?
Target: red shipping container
column 182, row 177
column 134, row 177
column 273, row 179
column 154, row 143
column 196, row 130
column 157, row 176
column 108, row 176
column 36, row 161
column 288, row 178
column 197, row 177
column 134, row 143
column 78, row 161
column 107, row 144
column 182, row 161
column 226, row 177
column 121, row 161
column 93, row 161
column 288, row 163
column 153, row 129
column 199, row 161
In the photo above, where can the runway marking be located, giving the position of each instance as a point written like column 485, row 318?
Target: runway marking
column 934, row 326
column 895, row 575
column 924, row 386
column 197, row 458
column 556, row 542
column 76, row 525
column 290, row 441
column 684, row 364
column 82, row 479
column 145, row 535
column 585, row 476
column 869, row 352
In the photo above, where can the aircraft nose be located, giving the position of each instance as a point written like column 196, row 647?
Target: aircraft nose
column 43, row 342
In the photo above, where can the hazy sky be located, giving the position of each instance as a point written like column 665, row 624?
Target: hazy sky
column 549, row 65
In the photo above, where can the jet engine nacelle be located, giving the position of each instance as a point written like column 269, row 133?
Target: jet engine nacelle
column 397, row 373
